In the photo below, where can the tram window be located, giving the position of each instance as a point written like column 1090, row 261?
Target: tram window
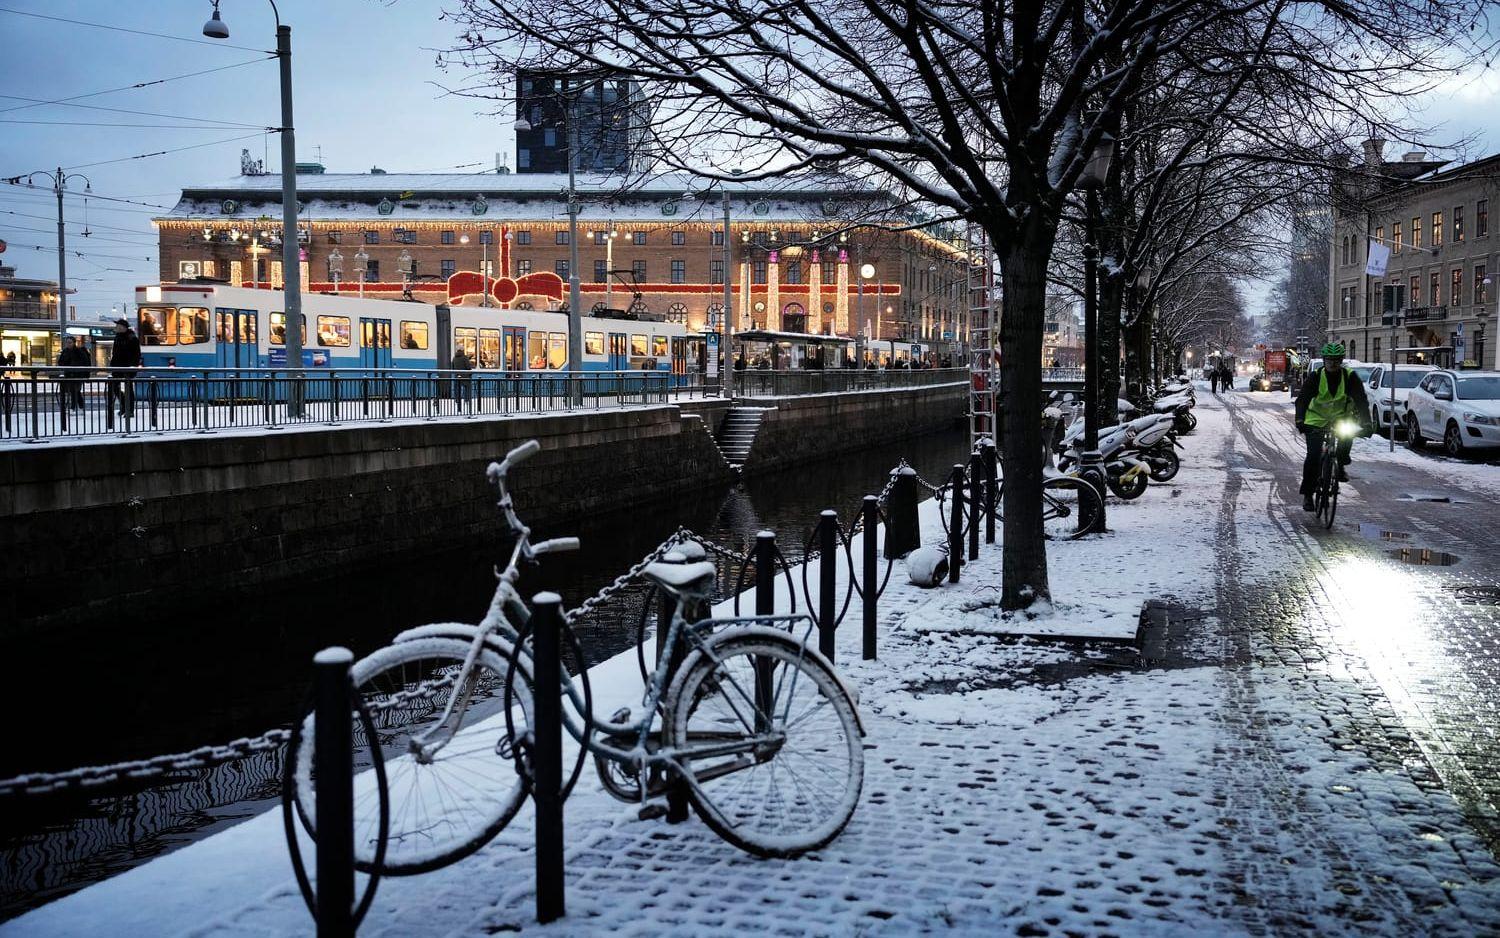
column 333, row 331
column 278, row 329
column 489, row 348
column 413, row 334
column 536, row 349
column 557, row 350
column 638, row 345
column 466, row 340
column 168, row 325
column 593, row 343
column 659, row 346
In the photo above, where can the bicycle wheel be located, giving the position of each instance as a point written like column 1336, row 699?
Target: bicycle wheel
column 799, row 785
column 444, row 806
column 1066, row 502
column 1330, row 503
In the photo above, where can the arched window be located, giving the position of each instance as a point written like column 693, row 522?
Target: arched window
column 598, row 308
column 677, row 312
column 638, row 307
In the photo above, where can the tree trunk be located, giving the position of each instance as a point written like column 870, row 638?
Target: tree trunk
column 1135, row 363
column 1111, row 296
column 1024, row 274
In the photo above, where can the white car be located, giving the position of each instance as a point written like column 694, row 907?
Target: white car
column 1460, row 407
column 1378, row 390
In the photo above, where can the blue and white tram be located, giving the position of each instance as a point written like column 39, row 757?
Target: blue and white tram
column 216, row 326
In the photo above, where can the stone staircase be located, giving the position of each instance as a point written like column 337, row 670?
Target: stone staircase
column 737, row 433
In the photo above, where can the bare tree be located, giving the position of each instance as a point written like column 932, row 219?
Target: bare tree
column 988, row 111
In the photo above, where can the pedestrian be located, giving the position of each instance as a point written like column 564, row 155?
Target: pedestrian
column 74, row 355
column 1226, row 377
column 1213, row 380
column 461, row 363
column 124, row 359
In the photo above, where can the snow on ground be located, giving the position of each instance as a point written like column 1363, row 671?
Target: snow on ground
column 1221, row 800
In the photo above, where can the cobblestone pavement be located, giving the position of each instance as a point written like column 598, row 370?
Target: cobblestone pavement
column 1300, row 749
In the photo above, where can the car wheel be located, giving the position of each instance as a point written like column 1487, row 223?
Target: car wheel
column 1414, row 434
column 1453, row 440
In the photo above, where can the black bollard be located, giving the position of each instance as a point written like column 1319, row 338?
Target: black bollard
column 677, row 796
column 976, row 499
column 903, row 532
column 991, row 489
column 546, row 621
column 765, row 605
column 871, row 510
column 333, row 741
column 828, row 540
column 956, row 522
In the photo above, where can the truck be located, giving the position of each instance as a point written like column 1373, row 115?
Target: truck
column 1272, row 375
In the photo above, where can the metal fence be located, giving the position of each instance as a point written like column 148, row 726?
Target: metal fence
column 756, row 383
column 38, row 404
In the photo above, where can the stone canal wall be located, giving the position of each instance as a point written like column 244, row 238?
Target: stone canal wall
column 86, row 527
column 801, row 429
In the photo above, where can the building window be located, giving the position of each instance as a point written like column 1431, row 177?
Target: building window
column 677, row 312
column 601, row 271
column 1415, row 286
column 679, row 271
column 1437, row 229
column 487, row 267
column 523, row 157
column 1482, row 218
column 1435, row 289
column 561, row 268
column 1458, row 224
column 716, row 270
column 1380, row 235
column 717, row 237
column 549, row 137
column 333, row 331
column 793, row 271
column 447, row 267
column 372, row 237
column 638, row 270
column 413, row 335
column 1396, row 230
column 1343, row 253
column 601, row 238
column 638, row 238
column 758, row 272
column 486, row 237
column 523, row 268
column 446, row 237
column 523, row 237
column 1416, row 233
column 679, row 238
column 561, row 237
column 759, row 238
column 1375, row 349
column 830, row 271
column 1481, row 289
column 1456, row 287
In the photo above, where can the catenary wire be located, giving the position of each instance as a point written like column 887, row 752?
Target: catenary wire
column 138, row 32
column 140, row 84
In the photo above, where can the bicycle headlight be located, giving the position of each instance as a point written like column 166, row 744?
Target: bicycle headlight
column 1346, row 428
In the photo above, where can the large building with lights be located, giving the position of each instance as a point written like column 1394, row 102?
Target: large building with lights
column 805, row 257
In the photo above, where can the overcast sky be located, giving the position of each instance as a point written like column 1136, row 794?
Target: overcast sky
column 367, row 94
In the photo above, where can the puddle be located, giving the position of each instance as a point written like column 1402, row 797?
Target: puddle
column 1423, row 557
column 1375, row 533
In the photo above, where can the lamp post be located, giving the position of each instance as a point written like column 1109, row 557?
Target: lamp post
column 866, row 271
column 1092, row 180
column 484, row 267
column 610, row 234
column 59, row 181
column 335, row 269
column 362, row 264
column 291, row 277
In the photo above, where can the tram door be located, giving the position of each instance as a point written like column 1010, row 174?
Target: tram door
column 680, row 354
column 619, row 352
column 237, row 333
column 374, row 343
column 515, row 348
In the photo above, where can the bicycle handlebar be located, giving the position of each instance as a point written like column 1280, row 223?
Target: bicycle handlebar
column 556, row 545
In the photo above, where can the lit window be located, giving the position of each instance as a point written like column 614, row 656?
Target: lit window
column 1481, row 289
column 466, row 340
column 659, row 346
column 1435, row 289
column 1456, row 287
column 536, row 350
column 413, row 334
column 638, row 345
column 1396, row 231
column 278, row 329
column 333, row 331
column 523, row 268
column 557, row 350
column 489, row 348
column 169, row 325
column 1437, row 229
column 593, row 343
column 1416, row 233
column 1458, row 224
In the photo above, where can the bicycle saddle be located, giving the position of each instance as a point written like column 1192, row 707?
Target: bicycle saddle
column 693, row 578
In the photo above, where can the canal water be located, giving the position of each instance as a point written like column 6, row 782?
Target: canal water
column 138, row 686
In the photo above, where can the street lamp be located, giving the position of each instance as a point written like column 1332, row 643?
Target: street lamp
column 335, row 269
column 575, row 291
column 609, row 260
column 362, row 264
column 866, row 271
column 291, row 277
column 1093, row 178
column 408, row 268
column 484, row 267
column 59, row 186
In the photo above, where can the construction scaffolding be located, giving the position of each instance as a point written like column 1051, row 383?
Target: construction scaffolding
column 984, row 338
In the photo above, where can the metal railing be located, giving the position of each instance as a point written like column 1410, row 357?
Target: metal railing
column 39, row 404
column 1062, row 374
column 757, row 383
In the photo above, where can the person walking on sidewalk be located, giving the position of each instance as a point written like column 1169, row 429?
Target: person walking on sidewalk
column 1331, row 394
column 1213, row 379
column 74, row 355
column 124, row 358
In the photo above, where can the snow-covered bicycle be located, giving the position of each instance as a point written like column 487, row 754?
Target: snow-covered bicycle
column 752, row 723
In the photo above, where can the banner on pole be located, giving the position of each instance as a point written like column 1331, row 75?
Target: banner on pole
column 1379, row 257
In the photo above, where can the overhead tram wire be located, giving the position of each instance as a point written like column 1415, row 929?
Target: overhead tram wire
column 38, row 102
column 53, row 219
column 88, row 237
column 122, row 110
column 52, row 249
column 135, row 126
column 136, row 32
column 46, row 192
column 144, row 156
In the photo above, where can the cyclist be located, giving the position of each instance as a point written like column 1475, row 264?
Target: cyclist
column 1330, row 394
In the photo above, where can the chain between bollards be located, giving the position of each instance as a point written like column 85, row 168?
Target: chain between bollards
column 546, row 622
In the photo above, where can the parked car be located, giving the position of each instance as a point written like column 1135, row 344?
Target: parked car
column 1406, row 377
column 1460, row 407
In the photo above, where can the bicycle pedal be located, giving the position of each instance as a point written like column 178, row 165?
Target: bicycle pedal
column 652, row 811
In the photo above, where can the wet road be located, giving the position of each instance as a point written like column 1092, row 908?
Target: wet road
column 1398, row 604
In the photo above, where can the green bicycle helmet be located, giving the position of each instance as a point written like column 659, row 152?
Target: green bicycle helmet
column 1333, row 350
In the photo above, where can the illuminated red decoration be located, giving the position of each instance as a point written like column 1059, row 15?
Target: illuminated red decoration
column 471, row 283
